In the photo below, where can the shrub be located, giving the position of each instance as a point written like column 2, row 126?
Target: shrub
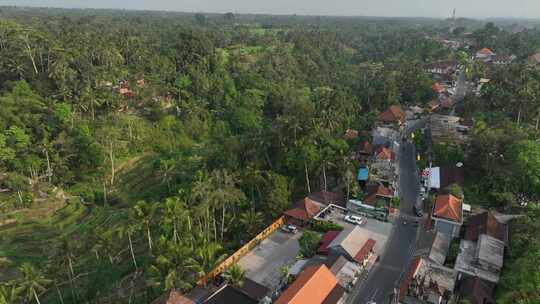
column 309, row 241
column 323, row 226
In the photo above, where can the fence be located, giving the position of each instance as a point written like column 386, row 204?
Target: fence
column 242, row 251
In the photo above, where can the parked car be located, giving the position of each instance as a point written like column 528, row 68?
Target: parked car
column 418, row 211
column 289, row 229
column 353, row 219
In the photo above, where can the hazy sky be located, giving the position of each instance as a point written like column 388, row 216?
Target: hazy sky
column 408, row 8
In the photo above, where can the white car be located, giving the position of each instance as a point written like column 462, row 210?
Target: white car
column 289, row 229
column 353, row 219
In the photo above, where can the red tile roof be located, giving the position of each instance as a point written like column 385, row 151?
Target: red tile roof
column 486, row 51
column 384, row 153
column 404, row 284
column 380, row 191
column 304, row 210
column 485, row 223
column 350, row 134
column 437, row 88
column 392, row 114
column 365, row 250
column 364, row 147
column 312, row 286
column 326, row 240
column 448, row 207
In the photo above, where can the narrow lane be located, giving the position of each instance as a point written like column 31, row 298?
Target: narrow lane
column 382, row 281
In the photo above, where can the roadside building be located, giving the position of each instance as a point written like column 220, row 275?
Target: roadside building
column 354, row 244
column 483, row 258
column 485, row 223
column 326, row 240
column 393, row 116
column 438, row 88
column 345, row 271
column 315, row 285
column 303, row 212
column 384, row 136
column 434, row 246
column 503, row 59
column 485, row 55
column 364, row 150
column 448, row 214
column 229, row 294
column 448, row 129
column 477, row 291
column 427, row 282
column 442, row 67
column 378, row 195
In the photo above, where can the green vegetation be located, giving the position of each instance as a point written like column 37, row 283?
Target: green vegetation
column 137, row 150
column 325, row 226
column 309, row 242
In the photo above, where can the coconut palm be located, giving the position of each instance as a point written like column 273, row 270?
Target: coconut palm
column 235, row 275
column 145, row 212
column 251, row 221
column 32, row 282
column 8, row 294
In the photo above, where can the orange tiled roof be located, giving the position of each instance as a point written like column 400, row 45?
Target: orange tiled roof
column 448, row 207
column 486, row 51
column 385, row 154
column 381, row 191
column 392, row 114
column 304, row 210
column 313, row 285
column 437, row 88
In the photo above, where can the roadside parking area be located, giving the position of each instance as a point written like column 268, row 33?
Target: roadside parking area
column 375, row 229
column 264, row 262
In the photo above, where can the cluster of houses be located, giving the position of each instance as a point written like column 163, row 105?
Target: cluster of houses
column 435, row 277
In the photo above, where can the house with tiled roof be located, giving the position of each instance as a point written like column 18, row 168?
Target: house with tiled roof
column 384, row 154
column 485, row 223
column 393, row 115
column 438, row 88
column 326, row 240
column 442, row 68
column 354, row 244
column 303, row 212
column 485, row 54
column 427, row 282
column 448, row 214
column 378, row 193
column 364, row 150
column 315, row 285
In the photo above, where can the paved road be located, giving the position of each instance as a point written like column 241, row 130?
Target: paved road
column 380, row 284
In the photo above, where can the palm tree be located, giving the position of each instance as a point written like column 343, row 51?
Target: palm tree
column 225, row 192
column 208, row 256
column 251, row 221
column 8, row 294
column 175, row 210
column 235, row 275
column 32, row 282
column 145, row 212
column 128, row 231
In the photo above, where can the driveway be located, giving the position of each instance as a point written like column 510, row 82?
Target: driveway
column 264, row 262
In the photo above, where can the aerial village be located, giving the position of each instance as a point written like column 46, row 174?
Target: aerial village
column 458, row 251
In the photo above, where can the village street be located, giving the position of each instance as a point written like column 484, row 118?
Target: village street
column 381, row 282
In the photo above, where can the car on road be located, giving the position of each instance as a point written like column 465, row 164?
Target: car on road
column 289, row 229
column 418, row 211
column 353, row 219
